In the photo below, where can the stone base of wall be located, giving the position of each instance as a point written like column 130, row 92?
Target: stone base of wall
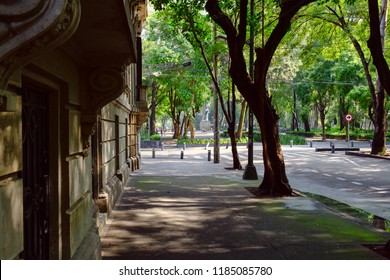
column 90, row 247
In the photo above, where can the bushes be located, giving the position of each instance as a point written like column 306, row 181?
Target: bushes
column 301, row 133
column 297, row 140
column 356, row 134
column 204, row 141
column 155, row 137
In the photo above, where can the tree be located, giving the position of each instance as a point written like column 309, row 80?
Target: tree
column 376, row 46
column 280, row 77
column 323, row 91
column 176, row 71
column 347, row 15
column 186, row 17
column 275, row 182
column 303, row 91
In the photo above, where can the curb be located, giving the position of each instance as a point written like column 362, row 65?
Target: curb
column 363, row 154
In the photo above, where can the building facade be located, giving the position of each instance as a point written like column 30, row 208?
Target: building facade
column 71, row 106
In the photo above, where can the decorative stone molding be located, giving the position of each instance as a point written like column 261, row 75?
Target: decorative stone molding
column 8, row 101
column 31, row 27
column 142, row 105
column 105, row 84
column 140, row 13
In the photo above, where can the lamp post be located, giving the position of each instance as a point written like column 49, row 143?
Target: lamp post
column 250, row 172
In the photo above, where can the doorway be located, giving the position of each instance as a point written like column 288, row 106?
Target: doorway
column 36, row 187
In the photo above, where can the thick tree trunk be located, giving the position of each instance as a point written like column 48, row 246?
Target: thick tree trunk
column 376, row 46
column 379, row 141
column 275, row 182
column 176, row 128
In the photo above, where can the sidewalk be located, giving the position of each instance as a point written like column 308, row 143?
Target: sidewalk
column 181, row 209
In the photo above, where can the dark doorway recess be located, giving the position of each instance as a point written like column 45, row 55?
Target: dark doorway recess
column 35, row 173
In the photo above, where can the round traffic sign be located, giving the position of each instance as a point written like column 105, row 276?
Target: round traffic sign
column 348, row 117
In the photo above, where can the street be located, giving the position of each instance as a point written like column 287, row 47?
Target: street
column 361, row 182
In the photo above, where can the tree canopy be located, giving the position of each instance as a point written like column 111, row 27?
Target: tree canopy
column 312, row 61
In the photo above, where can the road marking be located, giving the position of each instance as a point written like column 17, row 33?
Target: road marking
column 357, row 183
column 327, row 175
column 198, row 157
column 377, row 188
column 341, row 179
column 351, row 161
column 314, row 171
column 227, row 157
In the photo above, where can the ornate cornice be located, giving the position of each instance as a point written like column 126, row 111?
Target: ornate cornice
column 30, row 27
column 105, row 84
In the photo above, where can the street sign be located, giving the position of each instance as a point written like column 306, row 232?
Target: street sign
column 348, row 117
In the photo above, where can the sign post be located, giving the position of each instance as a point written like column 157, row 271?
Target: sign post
column 348, row 118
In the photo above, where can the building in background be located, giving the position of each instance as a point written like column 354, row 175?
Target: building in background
column 71, row 106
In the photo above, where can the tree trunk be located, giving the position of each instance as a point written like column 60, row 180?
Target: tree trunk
column 306, row 124
column 231, row 130
column 176, row 128
column 342, row 113
column 233, row 142
column 376, row 46
column 192, row 129
column 294, row 121
column 275, row 182
column 379, row 141
column 184, row 127
column 241, row 120
column 322, row 119
column 153, row 109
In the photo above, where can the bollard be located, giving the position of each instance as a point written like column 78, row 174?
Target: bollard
column 184, row 145
column 352, row 144
column 162, row 146
column 153, row 153
column 227, row 145
column 333, row 148
column 370, row 142
column 182, row 154
column 311, row 144
column 207, row 145
column 291, row 143
column 209, row 155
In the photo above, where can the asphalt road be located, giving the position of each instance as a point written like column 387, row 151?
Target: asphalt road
column 360, row 182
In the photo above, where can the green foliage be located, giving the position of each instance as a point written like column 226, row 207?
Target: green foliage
column 284, row 140
column 172, row 64
column 316, row 59
column 354, row 133
column 297, row 140
column 155, row 137
column 144, row 135
column 301, row 133
column 204, row 141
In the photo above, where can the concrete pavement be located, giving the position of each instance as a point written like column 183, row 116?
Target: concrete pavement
column 183, row 209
